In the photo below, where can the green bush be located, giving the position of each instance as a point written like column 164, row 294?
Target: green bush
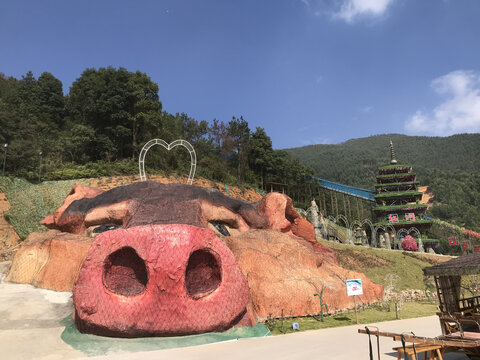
column 93, row 170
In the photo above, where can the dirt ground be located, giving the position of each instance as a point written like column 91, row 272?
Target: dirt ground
column 355, row 260
column 429, row 258
column 427, row 196
column 247, row 194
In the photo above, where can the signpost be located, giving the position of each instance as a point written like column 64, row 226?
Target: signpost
column 354, row 287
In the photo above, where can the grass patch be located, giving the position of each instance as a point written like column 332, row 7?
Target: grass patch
column 408, row 266
column 30, row 203
column 367, row 316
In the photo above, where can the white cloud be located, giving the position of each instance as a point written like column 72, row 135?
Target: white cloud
column 366, row 109
column 460, row 111
column 306, row 3
column 352, row 10
column 315, row 141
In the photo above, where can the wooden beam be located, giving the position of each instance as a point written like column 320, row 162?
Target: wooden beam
column 441, row 340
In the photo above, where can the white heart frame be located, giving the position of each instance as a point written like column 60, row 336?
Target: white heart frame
column 407, row 232
column 184, row 143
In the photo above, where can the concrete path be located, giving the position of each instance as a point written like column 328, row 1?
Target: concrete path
column 325, row 344
column 30, row 328
column 30, row 323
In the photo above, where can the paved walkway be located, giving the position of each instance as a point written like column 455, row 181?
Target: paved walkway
column 30, row 328
column 334, row 343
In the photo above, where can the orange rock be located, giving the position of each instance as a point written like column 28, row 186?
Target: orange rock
column 49, row 260
column 275, row 206
column 304, row 229
column 281, row 215
column 283, row 273
column 79, row 191
column 48, row 222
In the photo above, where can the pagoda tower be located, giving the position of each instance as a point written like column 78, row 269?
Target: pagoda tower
column 398, row 199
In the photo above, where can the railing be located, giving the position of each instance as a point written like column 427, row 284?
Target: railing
column 469, row 303
column 365, row 194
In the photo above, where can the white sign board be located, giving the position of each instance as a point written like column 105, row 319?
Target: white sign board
column 354, row 287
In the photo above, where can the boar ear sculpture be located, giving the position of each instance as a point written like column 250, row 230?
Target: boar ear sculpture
column 159, row 280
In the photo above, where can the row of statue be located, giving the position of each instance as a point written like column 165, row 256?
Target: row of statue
column 356, row 232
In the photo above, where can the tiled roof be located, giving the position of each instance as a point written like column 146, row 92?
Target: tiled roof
column 462, row 265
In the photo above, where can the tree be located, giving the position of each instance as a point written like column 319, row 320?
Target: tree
column 239, row 135
column 145, row 108
column 260, row 153
column 50, row 98
column 123, row 108
column 19, row 114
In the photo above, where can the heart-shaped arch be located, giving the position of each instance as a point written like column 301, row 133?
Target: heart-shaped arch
column 184, row 143
column 405, row 232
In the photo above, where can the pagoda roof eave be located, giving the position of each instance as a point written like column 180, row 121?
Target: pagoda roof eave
column 398, row 184
column 403, row 223
column 404, row 194
column 389, row 208
column 387, row 176
column 394, row 166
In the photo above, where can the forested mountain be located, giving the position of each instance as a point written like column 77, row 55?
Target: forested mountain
column 99, row 128
column 449, row 165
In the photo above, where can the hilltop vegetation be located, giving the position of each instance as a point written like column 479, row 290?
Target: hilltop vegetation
column 99, row 128
column 449, row 165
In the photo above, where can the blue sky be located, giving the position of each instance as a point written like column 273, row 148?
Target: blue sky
column 308, row 71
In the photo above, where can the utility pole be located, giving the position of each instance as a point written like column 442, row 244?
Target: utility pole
column 336, row 205
column 40, row 167
column 5, row 146
column 331, row 201
column 325, row 204
column 349, row 208
column 358, row 210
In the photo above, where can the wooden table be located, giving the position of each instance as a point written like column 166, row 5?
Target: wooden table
column 435, row 353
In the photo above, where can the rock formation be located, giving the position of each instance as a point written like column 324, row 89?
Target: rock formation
column 89, row 210
column 49, row 260
column 166, row 273
column 284, row 274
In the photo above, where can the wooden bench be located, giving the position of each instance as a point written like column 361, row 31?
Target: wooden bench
column 464, row 335
column 435, row 352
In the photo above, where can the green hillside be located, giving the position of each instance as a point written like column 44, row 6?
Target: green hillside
column 449, row 165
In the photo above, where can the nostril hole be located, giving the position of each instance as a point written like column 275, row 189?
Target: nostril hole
column 203, row 274
column 124, row 272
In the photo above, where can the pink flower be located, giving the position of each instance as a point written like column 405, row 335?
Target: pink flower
column 409, row 244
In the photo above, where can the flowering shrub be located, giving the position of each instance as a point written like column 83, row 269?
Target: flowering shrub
column 471, row 233
column 409, row 244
